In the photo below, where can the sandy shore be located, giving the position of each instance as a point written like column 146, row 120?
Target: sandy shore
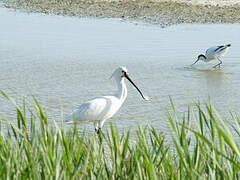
column 163, row 12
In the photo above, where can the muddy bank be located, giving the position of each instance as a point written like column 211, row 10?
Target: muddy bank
column 160, row 12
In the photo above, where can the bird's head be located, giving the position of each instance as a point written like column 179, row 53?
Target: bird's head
column 120, row 73
column 201, row 57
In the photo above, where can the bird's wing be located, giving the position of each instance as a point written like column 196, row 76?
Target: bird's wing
column 220, row 48
column 217, row 49
column 90, row 111
column 212, row 50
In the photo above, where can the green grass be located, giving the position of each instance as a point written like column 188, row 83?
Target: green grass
column 33, row 148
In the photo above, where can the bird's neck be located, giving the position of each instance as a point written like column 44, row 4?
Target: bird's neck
column 122, row 90
column 204, row 58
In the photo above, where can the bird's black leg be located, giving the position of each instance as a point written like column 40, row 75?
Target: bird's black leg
column 98, row 130
column 95, row 126
column 99, row 134
column 218, row 65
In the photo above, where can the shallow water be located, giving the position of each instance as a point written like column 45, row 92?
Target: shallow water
column 65, row 61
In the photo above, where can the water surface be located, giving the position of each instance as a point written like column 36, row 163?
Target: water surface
column 65, row 61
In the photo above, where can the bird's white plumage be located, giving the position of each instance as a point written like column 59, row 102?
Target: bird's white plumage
column 102, row 108
column 216, row 52
column 97, row 109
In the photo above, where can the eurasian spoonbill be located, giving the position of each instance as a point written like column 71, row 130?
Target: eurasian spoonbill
column 99, row 109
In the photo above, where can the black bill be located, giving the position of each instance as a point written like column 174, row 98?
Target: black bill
column 144, row 97
column 195, row 61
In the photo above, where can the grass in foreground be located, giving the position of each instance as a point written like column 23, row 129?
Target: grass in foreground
column 35, row 149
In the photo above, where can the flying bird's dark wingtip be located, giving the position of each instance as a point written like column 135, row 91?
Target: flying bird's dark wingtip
column 228, row 45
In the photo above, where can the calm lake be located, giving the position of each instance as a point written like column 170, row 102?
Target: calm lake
column 65, row 61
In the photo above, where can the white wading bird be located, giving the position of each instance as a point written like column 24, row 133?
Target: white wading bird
column 99, row 109
column 213, row 53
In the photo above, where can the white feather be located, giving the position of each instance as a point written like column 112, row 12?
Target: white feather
column 100, row 109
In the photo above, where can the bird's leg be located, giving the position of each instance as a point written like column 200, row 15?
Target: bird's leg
column 101, row 124
column 100, row 134
column 220, row 62
column 97, row 128
column 95, row 125
column 98, row 131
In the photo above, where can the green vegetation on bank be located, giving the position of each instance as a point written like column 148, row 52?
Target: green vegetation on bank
column 33, row 148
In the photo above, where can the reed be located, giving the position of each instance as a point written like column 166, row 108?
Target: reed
column 34, row 148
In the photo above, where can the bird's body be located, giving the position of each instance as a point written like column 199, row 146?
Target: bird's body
column 99, row 109
column 214, row 53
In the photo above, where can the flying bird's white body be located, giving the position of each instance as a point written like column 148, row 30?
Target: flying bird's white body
column 214, row 53
column 99, row 109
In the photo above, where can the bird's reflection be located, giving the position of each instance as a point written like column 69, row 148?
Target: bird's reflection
column 215, row 80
